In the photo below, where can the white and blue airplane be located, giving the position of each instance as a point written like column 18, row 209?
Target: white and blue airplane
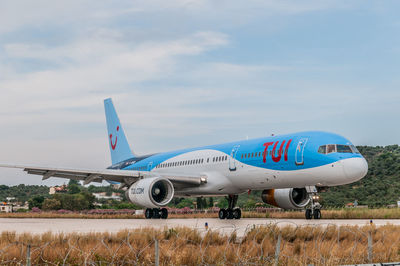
column 289, row 170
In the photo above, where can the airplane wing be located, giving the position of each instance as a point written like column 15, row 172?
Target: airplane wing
column 125, row 177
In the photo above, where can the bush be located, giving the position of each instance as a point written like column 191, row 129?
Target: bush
column 51, row 204
column 75, row 202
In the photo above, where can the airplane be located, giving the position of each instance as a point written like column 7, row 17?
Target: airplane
column 290, row 170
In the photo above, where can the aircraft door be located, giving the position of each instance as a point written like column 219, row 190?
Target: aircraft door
column 299, row 156
column 232, row 163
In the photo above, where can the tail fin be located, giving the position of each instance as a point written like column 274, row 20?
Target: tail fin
column 119, row 146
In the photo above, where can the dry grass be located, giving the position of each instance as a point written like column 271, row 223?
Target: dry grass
column 350, row 213
column 183, row 246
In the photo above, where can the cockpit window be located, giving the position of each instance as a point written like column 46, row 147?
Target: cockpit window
column 331, row 148
column 322, row 149
column 354, row 149
column 344, row 149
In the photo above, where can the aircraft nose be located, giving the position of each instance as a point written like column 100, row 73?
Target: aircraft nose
column 355, row 168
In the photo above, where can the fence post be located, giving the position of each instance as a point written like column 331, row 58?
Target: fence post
column 28, row 255
column 278, row 249
column 157, row 261
column 369, row 246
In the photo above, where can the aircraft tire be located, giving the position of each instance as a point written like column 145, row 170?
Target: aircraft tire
column 164, row 213
column 148, row 213
column 237, row 213
column 229, row 214
column 222, row 214
column 308, row 214
column 317, row 214
column 156, row 213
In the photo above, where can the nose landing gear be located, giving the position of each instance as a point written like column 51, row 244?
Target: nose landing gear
column 231, row 212
column 314, row 208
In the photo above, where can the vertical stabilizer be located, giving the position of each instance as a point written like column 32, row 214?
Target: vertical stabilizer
column 119, row 147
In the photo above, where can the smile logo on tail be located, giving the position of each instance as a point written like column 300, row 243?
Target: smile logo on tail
column 113, row 146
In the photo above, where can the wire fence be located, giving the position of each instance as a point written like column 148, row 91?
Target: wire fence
column 271, row 244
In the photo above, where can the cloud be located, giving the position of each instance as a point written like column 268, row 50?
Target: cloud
column 93, row 65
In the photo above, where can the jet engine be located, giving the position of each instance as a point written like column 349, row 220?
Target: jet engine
column 152, row 192
column 287, row 198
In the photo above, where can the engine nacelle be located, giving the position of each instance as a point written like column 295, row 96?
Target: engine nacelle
column 153, row 192
column 287, row 198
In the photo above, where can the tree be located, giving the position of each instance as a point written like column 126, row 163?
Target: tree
column 36, row 201
column 51, row 204
column 76, row 202
column 73, row 182
column 211, row 202
column 74, row 189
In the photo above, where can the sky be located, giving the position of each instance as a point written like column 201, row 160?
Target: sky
column 186, row 73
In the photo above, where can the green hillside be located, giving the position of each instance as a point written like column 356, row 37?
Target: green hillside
column 380, row 187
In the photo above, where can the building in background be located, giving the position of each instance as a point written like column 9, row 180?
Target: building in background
column 103, row 195
column 58, row 189
column 4, row 207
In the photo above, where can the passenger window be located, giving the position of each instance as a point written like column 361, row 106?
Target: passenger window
column 331, row 148
column 208, row 160
column 343, row 149
column 322, row 149
column 226, row 157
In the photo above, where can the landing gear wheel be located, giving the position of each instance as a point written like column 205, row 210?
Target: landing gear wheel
column 314, row 207
column 222, row 214
column 237, row 213
column 164, row 213
column 156, row 213
column 317, row 214
column 148, row 213
column 230, row 214
column 308, row 214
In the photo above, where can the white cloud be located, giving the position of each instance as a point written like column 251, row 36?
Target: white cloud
column 93, row 65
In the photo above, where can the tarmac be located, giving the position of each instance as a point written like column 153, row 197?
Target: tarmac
column 39, row 226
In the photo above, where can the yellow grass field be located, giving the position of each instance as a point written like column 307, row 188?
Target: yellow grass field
column 182, row 246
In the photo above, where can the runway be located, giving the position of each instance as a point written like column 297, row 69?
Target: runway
column 39, row 226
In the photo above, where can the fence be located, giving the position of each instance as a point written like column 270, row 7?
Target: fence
column 260, row 245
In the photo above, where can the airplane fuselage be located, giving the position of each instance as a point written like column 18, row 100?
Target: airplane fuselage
column 301, row 159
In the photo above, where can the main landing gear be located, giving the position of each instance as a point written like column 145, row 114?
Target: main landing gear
column 231, row 212
column 314, row 208
column 156, row 213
